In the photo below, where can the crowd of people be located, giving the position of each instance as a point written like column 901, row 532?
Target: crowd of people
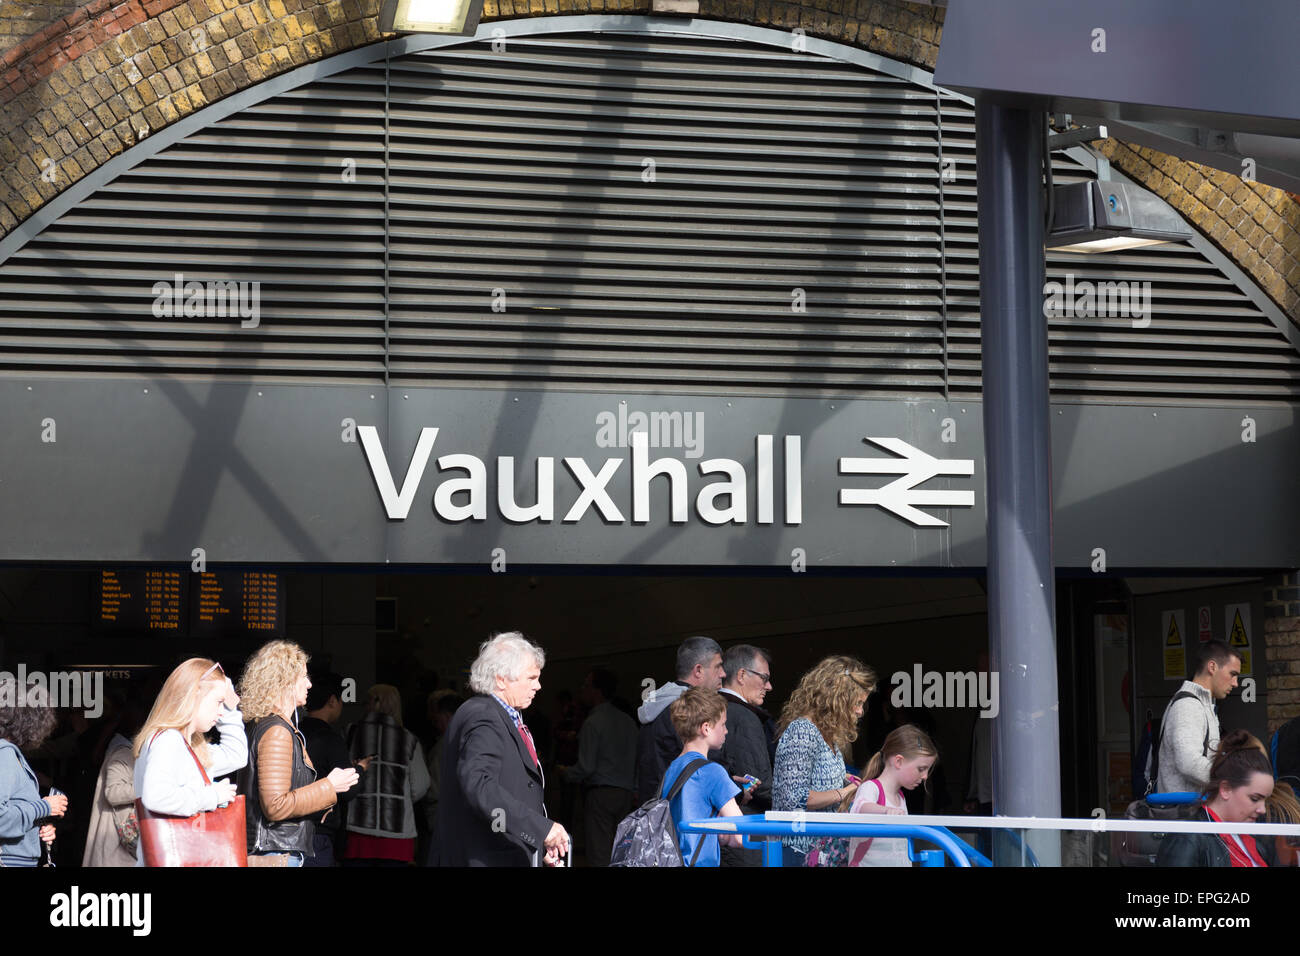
column 266, row 765
column 1232, row 773
column 307, row 794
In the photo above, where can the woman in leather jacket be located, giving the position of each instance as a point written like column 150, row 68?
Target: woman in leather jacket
column 283, row 798
column 1241, row 780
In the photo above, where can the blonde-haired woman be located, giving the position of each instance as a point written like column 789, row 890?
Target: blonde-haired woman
column 381, row 818
column 171, row 745
column 818, row 721
column 283, row 796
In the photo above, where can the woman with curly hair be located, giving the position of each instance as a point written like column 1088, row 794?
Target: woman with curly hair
column 283, row 796
column 172, row 755
column 818, row 721
column 25, row 722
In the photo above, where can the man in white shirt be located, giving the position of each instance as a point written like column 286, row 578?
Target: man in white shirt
column 1189, row 730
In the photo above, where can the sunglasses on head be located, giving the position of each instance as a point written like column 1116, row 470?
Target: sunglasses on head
column 214, row 667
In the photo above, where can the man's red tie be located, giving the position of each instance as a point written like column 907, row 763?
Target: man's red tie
column 528, row 739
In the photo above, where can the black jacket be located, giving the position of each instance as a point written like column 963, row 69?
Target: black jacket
column 276, row 836
column 745, row 751
column 490, row 807
column 1204, row 849
column 657, row 745
column 328, row 751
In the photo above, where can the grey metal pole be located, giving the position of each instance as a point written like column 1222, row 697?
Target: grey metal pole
column 1017, row 437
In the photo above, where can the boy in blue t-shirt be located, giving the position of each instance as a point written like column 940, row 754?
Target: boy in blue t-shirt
column 700, row 718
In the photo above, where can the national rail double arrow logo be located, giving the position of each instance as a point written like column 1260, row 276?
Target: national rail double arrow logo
column 901, row 496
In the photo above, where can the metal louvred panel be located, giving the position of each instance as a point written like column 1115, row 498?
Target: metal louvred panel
column 599, row 212
column 680, row 214
column 1202, row 340
column 257, row 197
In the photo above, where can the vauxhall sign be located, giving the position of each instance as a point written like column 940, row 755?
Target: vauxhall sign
column 648, row 480
column 183, row 472
column 724, row 499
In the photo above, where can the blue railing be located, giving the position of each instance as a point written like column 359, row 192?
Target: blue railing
column 1018, row 845
column 1171, row 799
column 756, row 825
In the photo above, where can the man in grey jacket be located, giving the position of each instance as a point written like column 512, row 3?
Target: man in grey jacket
column 1189, row 730
column 699, row 664
column 745, row 751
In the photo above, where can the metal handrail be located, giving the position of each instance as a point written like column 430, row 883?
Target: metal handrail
column 1172, row 799
column 757, row 825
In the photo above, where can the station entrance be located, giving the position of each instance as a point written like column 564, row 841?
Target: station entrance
column 418, row 630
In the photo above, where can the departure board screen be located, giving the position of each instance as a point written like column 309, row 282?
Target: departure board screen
column 237, row 603
column 162, row 600
column 140, row 600
column 207, row 604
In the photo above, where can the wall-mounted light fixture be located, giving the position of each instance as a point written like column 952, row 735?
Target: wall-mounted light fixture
column 453, row 17
column 1105, row 216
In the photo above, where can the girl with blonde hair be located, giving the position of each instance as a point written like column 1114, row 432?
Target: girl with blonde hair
column 817, row 723
column 284, row 798
column 903, row 762
column 171, row 745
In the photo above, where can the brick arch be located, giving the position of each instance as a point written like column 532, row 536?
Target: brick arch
column 107, row 75
column 1255, row 225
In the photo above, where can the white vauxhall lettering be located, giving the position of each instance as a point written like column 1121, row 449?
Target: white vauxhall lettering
column 544, row 510
column 397, row 504
column 474, row 485
column 644, row 471
column 723, row 500
column 593, row 489
column 733, row 490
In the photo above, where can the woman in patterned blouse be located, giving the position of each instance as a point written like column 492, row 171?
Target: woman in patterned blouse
column 818, row 721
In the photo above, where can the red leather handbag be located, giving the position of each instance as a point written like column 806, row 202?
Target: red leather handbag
column 209, row 838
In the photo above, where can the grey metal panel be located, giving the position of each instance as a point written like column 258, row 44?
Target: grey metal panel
column 260, row 473
column 1215, row 72
column 150, row 469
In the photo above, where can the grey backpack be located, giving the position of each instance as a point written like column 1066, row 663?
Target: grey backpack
column 648, row 836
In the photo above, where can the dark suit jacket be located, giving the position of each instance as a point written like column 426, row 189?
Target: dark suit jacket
column 490, row 809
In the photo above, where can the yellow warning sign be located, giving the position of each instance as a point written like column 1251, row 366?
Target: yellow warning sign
column 1171, row 626
column 1237, row 637
column 1236, row 620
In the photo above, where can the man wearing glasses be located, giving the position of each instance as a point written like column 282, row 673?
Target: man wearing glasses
column 751, row 742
